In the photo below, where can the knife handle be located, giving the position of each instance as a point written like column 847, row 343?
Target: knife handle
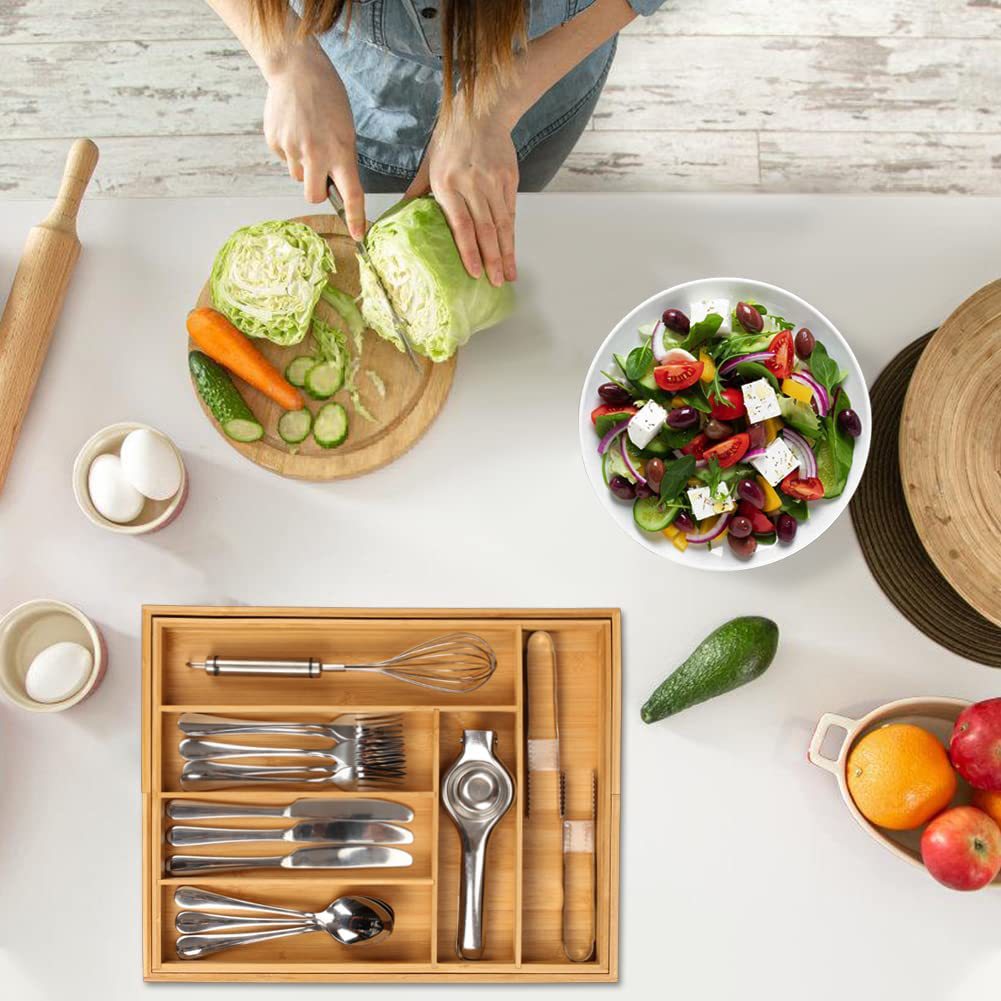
column 183, row 865
column 187, row 809
column 579, row 886
column 183, row 837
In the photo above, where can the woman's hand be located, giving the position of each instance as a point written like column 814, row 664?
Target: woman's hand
column 472, row 168
column 307, row 122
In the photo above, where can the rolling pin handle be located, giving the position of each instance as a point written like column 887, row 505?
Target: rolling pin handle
column 80, row 164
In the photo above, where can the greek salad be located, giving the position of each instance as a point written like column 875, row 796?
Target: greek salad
column 725, row 423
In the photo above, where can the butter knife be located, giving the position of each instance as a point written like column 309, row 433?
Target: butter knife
column 348, row 857
column 399, row 327
column 348, row 832
column 307, row 809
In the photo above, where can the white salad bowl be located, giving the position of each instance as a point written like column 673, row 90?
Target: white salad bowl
column 625, row 336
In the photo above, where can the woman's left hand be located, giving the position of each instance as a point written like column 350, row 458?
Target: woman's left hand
column 471, row 167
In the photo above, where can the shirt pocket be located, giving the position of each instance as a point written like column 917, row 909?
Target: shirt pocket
column 544, row 15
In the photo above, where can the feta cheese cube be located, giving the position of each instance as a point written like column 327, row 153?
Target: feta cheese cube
column 646, row 423
column 760, row 400
column 707, row 505
column 701, row 308
column 777, row 462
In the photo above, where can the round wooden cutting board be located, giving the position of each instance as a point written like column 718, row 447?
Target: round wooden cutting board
column 950, row 450
column 413, row 399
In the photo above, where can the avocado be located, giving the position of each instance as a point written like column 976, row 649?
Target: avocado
column 732, row 655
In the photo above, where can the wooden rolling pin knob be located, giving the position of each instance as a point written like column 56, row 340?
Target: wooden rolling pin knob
column 36, row 297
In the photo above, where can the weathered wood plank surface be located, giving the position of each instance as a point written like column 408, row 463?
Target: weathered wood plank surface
column 706, row 94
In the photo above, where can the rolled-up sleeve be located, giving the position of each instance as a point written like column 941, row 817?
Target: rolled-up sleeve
column 646, row 7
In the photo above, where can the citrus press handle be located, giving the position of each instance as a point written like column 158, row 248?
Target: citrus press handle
column 470, row 943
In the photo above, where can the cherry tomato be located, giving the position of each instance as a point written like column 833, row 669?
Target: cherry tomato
column 607, row 408
column 728, row 407
column 697, row 446
column 784, row 354
column 807, row 489
column 728, row 453
column 678, row 375
column 761, row 524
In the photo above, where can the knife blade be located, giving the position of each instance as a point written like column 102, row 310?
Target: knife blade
column 354, row 832
column 306, row 809
column 399, row 326
column 348, row 857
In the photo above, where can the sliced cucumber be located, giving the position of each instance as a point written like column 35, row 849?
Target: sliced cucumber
column 652, row 514
column 223, row 398
column 295, row 425
column 295, row 371
column 331, row 425
column 324, row 379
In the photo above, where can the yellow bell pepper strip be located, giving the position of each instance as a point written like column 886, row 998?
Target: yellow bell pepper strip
column 772, row 427
column 708, row 368
column 709, row 524
column 680, row 542
column 797, row 391
column 772, row 500
column 671, row 531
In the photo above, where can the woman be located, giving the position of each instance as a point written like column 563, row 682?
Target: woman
column 493, row 112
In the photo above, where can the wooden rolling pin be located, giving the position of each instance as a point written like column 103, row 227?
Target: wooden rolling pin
column 36, row 298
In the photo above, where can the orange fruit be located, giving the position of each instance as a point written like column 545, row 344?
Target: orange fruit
column 988, row 800
column 900, row 776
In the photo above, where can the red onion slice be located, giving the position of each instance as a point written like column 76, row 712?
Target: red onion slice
column 732, row 363
column 807, row 460
column 610, row 435
column 820, row 394
column 755, row 453
column 633, row 471
column 715, row 532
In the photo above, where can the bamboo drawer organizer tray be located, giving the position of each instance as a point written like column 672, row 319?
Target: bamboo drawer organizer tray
column 523, row 896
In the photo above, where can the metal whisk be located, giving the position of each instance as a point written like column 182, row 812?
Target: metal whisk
column 458, row 663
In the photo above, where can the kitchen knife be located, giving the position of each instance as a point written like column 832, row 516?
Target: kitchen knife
column 355, row 832
column 399, row 326
column 349, row 857
column 308, row 809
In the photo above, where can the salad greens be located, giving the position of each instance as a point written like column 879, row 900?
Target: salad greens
column 268, row 277
column 412, row 249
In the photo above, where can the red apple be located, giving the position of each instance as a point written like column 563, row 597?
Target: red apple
column 961, row 848
column 975, row 745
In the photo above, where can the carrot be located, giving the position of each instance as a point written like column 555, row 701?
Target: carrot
column 222, row 342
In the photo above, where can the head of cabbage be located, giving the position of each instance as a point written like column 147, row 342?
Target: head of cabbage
column 412, row 249
column 267, row 279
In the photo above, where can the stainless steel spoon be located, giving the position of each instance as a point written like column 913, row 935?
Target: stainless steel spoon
column 348, row 920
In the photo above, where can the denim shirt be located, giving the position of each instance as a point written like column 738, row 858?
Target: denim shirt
column 390, row 61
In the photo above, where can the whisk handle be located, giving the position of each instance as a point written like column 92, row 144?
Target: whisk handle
column 216, row 666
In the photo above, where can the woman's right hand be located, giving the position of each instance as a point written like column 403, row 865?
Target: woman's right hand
column 308, row 123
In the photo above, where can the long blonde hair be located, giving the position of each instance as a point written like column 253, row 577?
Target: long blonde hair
column 479, row 41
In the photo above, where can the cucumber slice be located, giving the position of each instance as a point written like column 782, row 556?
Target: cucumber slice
column 324, row 379
column 223, row 398
column 331, row 425
column 295, row 425
column 652, row 514
column 295, row 371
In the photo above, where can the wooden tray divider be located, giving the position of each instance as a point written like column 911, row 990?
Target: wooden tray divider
column 435, row 833
column 519, row 803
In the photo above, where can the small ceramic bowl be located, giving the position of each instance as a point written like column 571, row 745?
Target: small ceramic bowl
column 27, row 630
column 934, row 714
column 155, row 514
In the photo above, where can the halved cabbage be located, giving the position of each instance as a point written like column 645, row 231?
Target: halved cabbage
column 412, row 249
column 267, row 279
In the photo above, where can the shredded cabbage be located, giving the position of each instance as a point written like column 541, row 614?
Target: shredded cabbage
column 267, row 279
column 412, row 249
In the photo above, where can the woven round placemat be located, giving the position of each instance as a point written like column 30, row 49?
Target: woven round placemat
column 889, row 542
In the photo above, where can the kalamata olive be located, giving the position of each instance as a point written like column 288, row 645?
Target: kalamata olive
column 785, row 527
column 681, row 418
column 744, row 548
column 756, row 436
column 749, row 317
column 717, row 430
column 849, row 422
column 675, row 320
column 643, row 490
column 740, row 526
column 622, row 488
column 805, row 342
column 751, row 492
column 654, row 473
column 614, row 395
column 684, row 522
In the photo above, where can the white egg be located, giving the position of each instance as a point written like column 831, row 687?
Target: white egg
column 58, row 672
column 150, row 464
column 113, row 496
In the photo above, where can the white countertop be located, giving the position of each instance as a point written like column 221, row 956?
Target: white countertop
column 742, row 872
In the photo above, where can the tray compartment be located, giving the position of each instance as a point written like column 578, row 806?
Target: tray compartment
column 331, row 640
column 418, row 736
column 409, row 943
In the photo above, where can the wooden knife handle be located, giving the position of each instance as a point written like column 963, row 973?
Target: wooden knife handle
column 36, row 298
